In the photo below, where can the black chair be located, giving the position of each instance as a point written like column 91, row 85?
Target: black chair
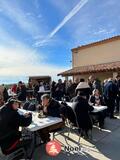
column 70, row 122
column 16, row 155
column 16, row 151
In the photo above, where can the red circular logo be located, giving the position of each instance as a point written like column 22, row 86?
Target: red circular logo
column 53, row 148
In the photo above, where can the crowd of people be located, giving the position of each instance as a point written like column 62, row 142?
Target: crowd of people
column 82, row 94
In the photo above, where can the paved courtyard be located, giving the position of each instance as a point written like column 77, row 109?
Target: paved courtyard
column 105, row 145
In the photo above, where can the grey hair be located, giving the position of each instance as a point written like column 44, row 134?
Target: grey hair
column 47, row 96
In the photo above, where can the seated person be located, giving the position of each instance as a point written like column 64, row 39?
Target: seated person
column 52, row 108
column 81, row 108
column 30, row 104
column 97, row 100
column 10, row 121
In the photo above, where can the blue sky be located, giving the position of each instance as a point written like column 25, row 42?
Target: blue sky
column 36, row 36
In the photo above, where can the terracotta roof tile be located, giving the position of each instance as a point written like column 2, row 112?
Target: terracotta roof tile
column 113, row 66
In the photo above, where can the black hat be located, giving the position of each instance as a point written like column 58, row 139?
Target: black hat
column 13, row 100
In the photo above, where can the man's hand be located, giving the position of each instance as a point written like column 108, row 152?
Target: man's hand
column 45, row 109
column 27, row 114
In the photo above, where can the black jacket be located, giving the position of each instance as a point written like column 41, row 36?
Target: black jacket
column 68, row 113
column 92, row 100
column 22, row 93
column 10, row 121
column 110, row 90
column 54, row 108
column 118, row 87
column 81, row 109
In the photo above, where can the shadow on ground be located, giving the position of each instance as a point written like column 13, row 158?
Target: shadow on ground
column 104, row 145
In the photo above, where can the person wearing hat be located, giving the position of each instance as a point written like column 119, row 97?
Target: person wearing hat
column 84, row 87
column 81, row 109
column 10, row 121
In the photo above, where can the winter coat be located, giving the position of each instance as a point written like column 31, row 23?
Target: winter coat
column 110, row 90
column 81, row 109
column 10, row 121
column 22, row 93
column 53, row 108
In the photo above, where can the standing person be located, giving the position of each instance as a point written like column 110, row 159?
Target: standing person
column 36, row 89
column 65, row 87
column 59, row 90
column 118, row 95
column 97, row 85
column 9, row 92
column 30, row 89
column 47, row 86
column 41, row 90
column 110, row 95
column 5, row 94
column 90, row 82
column 72, row 87
column 53, row 89
column 75, row 83
column 14, row 88
column 21, row 91
column 10, row 121
column 70, row 90
column 41, row 87
column 1, row 92
column 103, row 85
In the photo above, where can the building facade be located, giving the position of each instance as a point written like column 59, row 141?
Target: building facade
column 101, row 59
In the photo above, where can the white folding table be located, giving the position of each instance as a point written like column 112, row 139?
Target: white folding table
column 96, row 108
column 99, row 108
column 40, row 123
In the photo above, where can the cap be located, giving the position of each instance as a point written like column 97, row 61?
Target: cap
column 13, row 100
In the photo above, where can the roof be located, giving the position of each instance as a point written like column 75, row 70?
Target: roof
column 97, row 43
column 113, row 66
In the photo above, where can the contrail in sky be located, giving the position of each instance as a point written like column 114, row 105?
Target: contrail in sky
column 73, row 12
